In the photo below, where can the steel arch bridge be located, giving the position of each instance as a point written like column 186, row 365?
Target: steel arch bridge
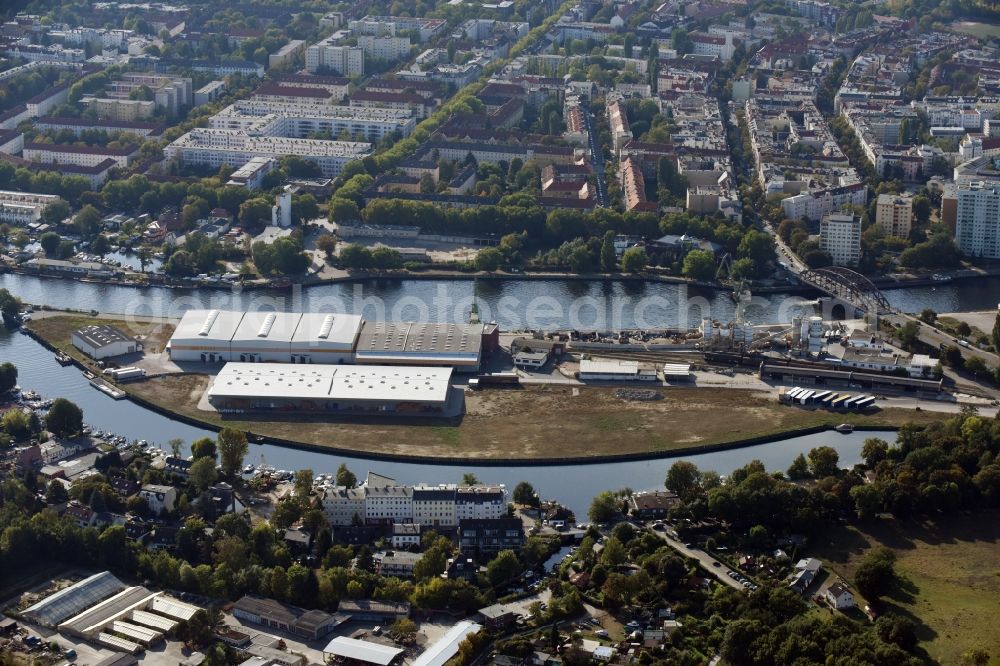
column 849, row 286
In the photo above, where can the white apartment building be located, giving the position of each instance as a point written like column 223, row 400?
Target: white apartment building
column 121, row 110
column 977, row 220
column 389, row 503
column 385, row 48
column 840, row 236
column 22, row 208
column 344, row 506
column 345, row 60
column 894, row 215
column 251, row 175
column 301, row 120
column 482, row 502
column 159, row 498
column 216, row 147
column 85, row 156
column 435, row 505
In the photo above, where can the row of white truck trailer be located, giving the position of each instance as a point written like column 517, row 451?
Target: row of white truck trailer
column 826, row 399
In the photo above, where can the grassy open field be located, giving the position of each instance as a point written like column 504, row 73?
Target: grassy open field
column 951, row 577
column 540, row 421
column 977, row 29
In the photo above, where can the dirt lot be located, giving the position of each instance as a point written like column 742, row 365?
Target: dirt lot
column 950, row 575
column 540, row 421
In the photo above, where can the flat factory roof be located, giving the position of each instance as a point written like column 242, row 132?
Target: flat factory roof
column 445, row 647
column 208, row 325
column 352, row 648
column 401, row 340
column 332, row 382
column 327, row 331
column 101, row 335
column 590, row 366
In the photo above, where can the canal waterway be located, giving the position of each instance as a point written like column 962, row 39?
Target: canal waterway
column 514, row 304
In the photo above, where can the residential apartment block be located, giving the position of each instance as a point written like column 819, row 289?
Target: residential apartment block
column 840, row 237
column 977, row 220
column 894, row 215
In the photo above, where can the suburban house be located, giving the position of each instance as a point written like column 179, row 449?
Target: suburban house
column 838, row 596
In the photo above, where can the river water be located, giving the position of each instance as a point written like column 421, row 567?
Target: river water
column 514, row 304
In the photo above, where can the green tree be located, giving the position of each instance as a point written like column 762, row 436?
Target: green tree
column 8, row 376
column 87, row 222
column 326, row 244
column 232, row 446
column 996, row 333
column 876, row 575
column 15, row 423
column 345, row 477
column 303, row 482
column 524, row 494
column 203, row 447
column 202, row 473
column 921, row 209
column 488, row 259
column 49, row 242
column 64, row 418
column 503, row 568
column 874, row 451
column 634, row 260
column 823, row 461
column 609, row 259
column 683, row 478
column 799, row 469
column 699, row 265
column 603, row 508
column 867, row 500
column 56, row 212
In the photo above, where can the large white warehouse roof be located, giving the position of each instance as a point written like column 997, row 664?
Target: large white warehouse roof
column 317, row 330
column 332, row 382
column 208, row 325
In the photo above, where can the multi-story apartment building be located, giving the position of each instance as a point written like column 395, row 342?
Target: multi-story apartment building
column 344, row 506
column 387, row 502
column 894, row 215
column 840, row 237
column 301, row 120
column 384, row 47
column 23, row 207
column 977, row 220
column 87, row 156
column 216, row 147
column 337, row 58
column 481, row 501
column 435, row 505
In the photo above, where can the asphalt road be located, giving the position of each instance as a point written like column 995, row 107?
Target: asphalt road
column 713, row 566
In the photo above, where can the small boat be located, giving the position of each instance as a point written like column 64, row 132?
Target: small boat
column 845, row 428
column 62, row 358
column 249, row 469
column 88, row 374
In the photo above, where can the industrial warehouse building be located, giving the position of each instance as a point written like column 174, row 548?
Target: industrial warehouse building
column 102, row 609
column 355, row 389
column 592, row 370
column 220, row 336
column 102, row 341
